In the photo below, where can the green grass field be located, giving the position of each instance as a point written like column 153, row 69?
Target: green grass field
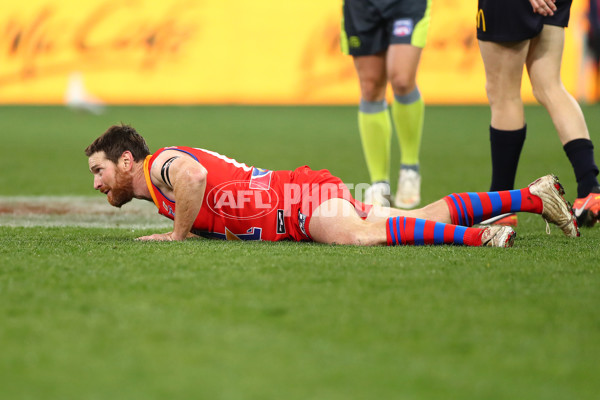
column 88, row 313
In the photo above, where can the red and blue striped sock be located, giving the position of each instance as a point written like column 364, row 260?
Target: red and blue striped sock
column 417, row 231
column 468, row 209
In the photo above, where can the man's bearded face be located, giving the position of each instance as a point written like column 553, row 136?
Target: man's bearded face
column 122, row 191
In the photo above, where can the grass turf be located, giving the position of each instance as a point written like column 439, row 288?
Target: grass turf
column 92, row 314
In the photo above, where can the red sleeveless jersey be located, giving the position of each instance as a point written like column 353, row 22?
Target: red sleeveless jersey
column 242, row 202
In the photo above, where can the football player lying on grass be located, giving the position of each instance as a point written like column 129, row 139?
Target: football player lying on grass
column 211, row 195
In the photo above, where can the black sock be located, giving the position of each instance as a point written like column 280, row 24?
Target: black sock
column 506, row 149
column 581, row 155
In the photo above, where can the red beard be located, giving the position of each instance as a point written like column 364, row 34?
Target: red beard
column 122, row 192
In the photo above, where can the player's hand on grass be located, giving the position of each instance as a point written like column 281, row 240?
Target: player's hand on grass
column 164, row 237
column 159, row 237
column 543, row 7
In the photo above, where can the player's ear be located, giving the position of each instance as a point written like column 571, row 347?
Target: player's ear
column 126, row 160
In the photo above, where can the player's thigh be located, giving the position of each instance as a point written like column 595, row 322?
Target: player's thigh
column 336, row 221
column 504, row 63
column 545, row 57
column 371, row 75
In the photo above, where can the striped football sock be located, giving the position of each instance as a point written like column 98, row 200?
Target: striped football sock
column 468, row 209
column 417, row 231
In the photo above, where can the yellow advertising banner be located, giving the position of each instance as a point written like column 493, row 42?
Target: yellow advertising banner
column 221, row 52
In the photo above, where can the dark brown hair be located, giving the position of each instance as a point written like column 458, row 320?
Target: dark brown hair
column 118, row 139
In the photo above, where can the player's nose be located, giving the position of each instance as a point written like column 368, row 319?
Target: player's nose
column 97, row 183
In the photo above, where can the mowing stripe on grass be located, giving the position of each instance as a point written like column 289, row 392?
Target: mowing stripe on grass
column 80, row 211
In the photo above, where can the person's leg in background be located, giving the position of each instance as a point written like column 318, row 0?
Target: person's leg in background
column 543, row 65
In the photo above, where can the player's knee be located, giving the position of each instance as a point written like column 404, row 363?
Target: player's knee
column 493, row 91
column 402, row 84
column 499, row 96
column 544, row 92
column 540, row 95
column 372, row 89
column 353, row 237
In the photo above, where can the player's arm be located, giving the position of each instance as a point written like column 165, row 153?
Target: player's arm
column 179, row 175
column 543, row 7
